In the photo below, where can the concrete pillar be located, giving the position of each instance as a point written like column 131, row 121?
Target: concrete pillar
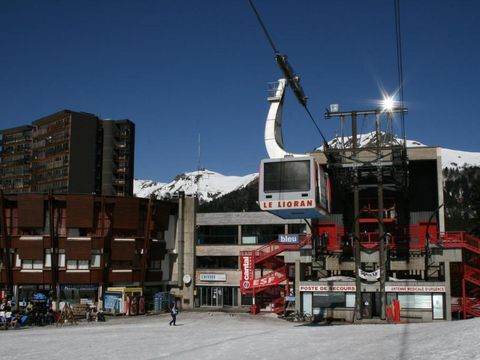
column 298, row 298
column 441, row 210
column 186, row 252
column 448, row 291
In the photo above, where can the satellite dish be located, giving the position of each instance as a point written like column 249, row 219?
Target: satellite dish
column 187, row 279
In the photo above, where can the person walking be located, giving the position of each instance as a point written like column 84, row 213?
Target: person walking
column 173, row 312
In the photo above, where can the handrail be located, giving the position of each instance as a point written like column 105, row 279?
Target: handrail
column 472, row 274
column 273, row 248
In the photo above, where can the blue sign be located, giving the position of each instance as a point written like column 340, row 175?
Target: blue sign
column 111, row 300
column 288, row 238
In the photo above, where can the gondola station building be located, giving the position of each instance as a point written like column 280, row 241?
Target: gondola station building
column 272, row 264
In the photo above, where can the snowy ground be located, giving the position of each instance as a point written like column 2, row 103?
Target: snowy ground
column 203, row 335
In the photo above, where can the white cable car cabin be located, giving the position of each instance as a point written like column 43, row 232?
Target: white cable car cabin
column 291, row 186
column 294, row 188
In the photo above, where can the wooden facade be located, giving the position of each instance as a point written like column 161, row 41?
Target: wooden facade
column 62, row 240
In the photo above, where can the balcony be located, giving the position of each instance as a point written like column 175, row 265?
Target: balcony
column 22, row 276
column 124, row 275
column 88, row 276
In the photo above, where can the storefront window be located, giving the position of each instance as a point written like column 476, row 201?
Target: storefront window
column 218, row 296
column 328, row 300
column 350, row 300
column 247, row 300
column 76, row 294
column 415, row 301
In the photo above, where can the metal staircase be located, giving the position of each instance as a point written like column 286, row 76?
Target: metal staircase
column 269, row 289
column 469, row 303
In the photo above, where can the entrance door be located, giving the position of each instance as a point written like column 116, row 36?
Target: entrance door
column 217, row 296
column 367, row 305
column 371, row 305
column 230, row 297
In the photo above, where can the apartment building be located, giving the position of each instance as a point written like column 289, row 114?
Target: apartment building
column 73, row 247
column 69, row 152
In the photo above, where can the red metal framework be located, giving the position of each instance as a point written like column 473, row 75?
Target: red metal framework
column 469, row 303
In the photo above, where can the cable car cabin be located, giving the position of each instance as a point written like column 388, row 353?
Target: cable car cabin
column 294, row 188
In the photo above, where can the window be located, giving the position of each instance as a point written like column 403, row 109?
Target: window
column 415, row 301
column 121, row 264
column 263, row 233
column 61, row 258
column 48, row 258
column 286, row 176
column 77, row 264
column 297, row 228
column 328, row 299
column 217, row 235
column 32, row 231
column 76, row 232
column 437, row 306
column 18, row 261
column 95, row 258
column 155, row 264
column 217, row 262
column 32, row 264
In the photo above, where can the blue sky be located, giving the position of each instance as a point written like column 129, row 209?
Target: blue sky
column 183, row 68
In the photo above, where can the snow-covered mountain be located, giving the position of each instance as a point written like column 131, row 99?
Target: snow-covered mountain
column 364, row 140
column 207, row 185
column 453, row 159
column 459, row 159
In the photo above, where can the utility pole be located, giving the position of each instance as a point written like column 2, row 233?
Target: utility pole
column 381, row 231
column 145, row 263
column 53, row 246
column 5, row 246
column 356, row 225
column 357, row 254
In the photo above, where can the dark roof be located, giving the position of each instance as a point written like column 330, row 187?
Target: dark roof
column 16, row 129
column 59, row 114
